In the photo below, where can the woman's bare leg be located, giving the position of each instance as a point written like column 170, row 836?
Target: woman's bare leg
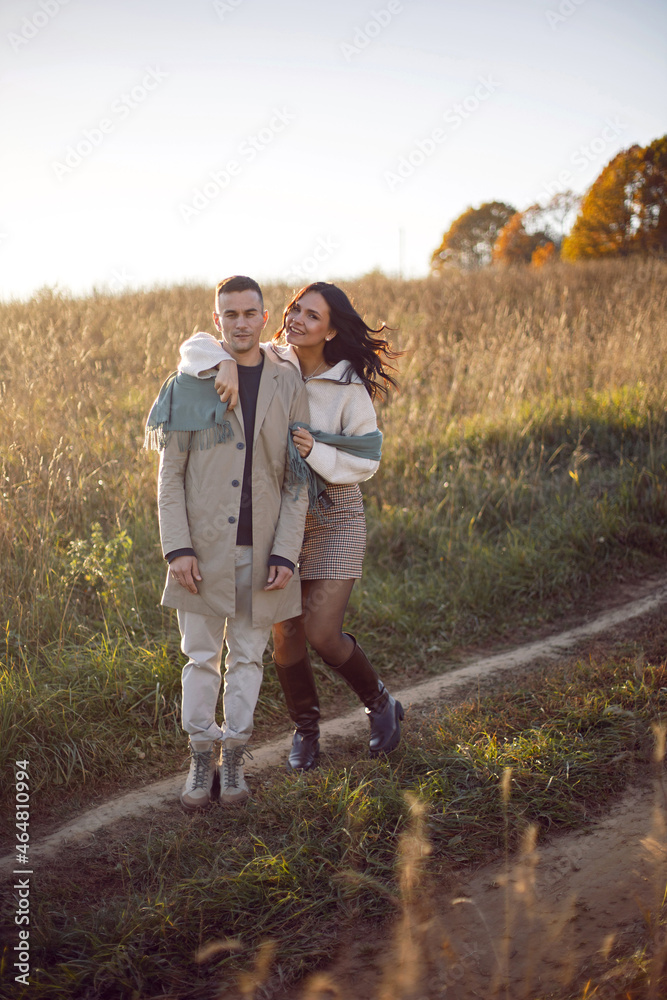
column 324, row 606
column 289, row 640
column 321, row 623
column 325, row 603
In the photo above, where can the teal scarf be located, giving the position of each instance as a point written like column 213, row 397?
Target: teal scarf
column 364, row 445
column 191, row 409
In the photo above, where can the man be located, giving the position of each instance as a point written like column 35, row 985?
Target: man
column 231, row 526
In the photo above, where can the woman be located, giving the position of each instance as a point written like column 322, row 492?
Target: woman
column 344, row 367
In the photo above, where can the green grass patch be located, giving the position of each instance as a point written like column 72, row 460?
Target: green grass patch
column 310, row 854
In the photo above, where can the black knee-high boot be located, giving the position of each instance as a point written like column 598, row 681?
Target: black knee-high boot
column 298, row 684
column 384, row 712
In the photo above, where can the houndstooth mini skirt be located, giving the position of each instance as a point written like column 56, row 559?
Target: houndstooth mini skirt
column 334, row 546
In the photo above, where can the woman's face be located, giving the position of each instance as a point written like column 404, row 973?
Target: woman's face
column 307, row 322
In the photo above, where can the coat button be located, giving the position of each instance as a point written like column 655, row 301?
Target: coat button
column 240, row 446
column 235, row 482
column 231, row 520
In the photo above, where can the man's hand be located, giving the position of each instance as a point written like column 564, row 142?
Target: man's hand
column 279, row 577
column 227, row 383
column 185, row 570
column 303, row 440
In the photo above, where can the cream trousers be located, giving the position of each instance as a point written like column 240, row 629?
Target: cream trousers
column 202, row 638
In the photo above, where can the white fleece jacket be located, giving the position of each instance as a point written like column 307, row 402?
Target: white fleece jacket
column 335, row 407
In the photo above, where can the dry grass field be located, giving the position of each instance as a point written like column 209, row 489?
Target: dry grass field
column 523, row 475
column 529, row 399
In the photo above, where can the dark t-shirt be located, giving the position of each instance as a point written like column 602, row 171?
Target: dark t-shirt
column 249, row 376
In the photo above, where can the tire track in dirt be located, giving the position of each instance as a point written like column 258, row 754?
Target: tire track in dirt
column 273, row 754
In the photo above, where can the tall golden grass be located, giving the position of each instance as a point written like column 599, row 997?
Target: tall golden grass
column 78, row 376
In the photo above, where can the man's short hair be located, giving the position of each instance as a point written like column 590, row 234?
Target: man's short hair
column 237, row 283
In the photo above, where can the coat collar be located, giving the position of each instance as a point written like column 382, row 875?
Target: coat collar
column 267, row 387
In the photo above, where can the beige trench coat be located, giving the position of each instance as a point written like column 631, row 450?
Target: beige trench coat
column 199, row 498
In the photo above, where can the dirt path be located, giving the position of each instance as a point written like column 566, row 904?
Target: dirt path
column 273, row 754
column 541, row 925
column 560, row 906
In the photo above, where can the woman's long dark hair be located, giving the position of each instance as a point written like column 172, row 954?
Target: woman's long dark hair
column 353, row 342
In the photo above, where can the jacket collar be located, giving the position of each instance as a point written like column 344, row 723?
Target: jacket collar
column 339, row 372
column 267, row 388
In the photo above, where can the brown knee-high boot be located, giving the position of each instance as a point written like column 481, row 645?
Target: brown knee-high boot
column 384, row 712
column 298, row 684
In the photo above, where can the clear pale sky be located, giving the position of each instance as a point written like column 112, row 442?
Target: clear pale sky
column 114, row 115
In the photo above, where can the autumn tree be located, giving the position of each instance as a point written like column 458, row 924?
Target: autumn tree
column 468, row 242
column 515, row 244
column 544, row 254
column 609, row 219
column 652, row 228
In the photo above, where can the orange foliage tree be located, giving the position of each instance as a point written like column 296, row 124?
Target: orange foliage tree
column 652, row 231
column 468, row 242
column 625, row 209
column 515, row 245
column 544, row 254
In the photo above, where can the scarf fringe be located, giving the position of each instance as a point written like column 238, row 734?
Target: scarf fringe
column 157, row 438
column 301, row 474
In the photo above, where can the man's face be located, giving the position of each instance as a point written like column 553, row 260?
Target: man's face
column 240, row 320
